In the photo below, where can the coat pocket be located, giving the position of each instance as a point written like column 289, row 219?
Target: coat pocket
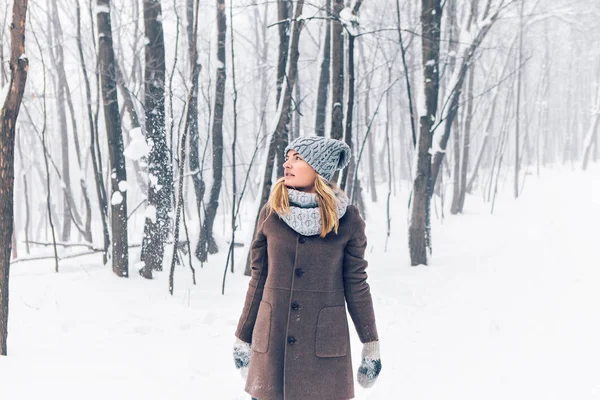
column 262, row 328
column 332, row 332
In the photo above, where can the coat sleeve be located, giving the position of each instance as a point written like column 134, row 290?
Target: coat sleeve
column 356, row 288
column 259, row 270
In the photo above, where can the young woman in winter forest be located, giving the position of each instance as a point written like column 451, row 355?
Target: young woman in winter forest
column 292, row 339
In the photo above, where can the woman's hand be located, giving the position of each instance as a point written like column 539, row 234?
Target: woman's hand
column 371, row 364
column 241, row 356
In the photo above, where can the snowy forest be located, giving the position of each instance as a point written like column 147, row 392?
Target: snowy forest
column 139, row 139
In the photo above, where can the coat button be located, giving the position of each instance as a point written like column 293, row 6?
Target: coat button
column 295, row 306
column 291, row 340
column 302, row 239
column 299, row 272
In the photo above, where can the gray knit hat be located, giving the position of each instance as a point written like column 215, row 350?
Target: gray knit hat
column 325, row 155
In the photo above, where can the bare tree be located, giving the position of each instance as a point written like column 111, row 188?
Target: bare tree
column 337, row 74
column 283, row 107
column 323, row 89
column 419, row 234
column 206, row 241
column 160, row 177
column 19, row 66
column 194, row 163
column 112, row 120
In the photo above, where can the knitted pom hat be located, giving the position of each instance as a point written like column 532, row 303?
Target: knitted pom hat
column 325, row 155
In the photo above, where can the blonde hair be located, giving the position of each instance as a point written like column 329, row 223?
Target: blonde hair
column 326, row 199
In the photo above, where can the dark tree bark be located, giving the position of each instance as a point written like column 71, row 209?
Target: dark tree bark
column 419, row 234
column 160, row 174
column 337, row 74
column 284, row 9
column 19, row 66
column 199, row 185
column 323, row 91
column 283, row 110
column 350, row 106
column 466, row 146
column 206, row 242
column 100, row 189
column 112, row 120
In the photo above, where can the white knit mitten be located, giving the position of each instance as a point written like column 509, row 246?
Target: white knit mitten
column 371, row 364
column 241, row 356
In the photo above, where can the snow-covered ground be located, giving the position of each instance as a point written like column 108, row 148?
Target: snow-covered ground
column 507, row 309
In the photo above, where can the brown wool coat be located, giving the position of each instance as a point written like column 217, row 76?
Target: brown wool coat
column 294, row 313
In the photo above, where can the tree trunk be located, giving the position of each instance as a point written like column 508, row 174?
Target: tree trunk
column 19, row 66
column 112, row 120
column 466, row 145
column 518, row 109
column 206, row 242
column 64, row 95
column 283, row 110
column 160, row 174
column 100, row 188
column 419, row 228
column 194, row 163
column 323, row 90
column 337, row 75
column 26, row 195
column 285, row 11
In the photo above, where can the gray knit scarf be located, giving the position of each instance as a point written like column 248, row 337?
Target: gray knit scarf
column 305, row 217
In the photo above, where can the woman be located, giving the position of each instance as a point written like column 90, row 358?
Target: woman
column 292, row 339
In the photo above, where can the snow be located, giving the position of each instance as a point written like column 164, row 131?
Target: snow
column 138, row 147
column 117, row 198
column 123, row 186
column 103, row 9
column 151, row 213
column 349, row 20
column 507, row 309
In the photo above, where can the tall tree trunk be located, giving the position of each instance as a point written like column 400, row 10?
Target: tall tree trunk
column 19, row 66
column 350, row 106
column 285, row 12
column 26, row 195
column 456, row 167
column 518, row 105
column 283, row 109
column 194, row 163
column 64, row 94
column 337, row 74
column 591, row 136
column 100, row 188
column 466, row 145
column 323, row 90
column 65, row 175
column 112, row 121
column 160, row 174
column 206, row 242
column 419, row 229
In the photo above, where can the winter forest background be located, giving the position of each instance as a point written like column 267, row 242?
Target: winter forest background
column 148, row 134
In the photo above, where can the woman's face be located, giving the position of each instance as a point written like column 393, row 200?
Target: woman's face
column 299, row 174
